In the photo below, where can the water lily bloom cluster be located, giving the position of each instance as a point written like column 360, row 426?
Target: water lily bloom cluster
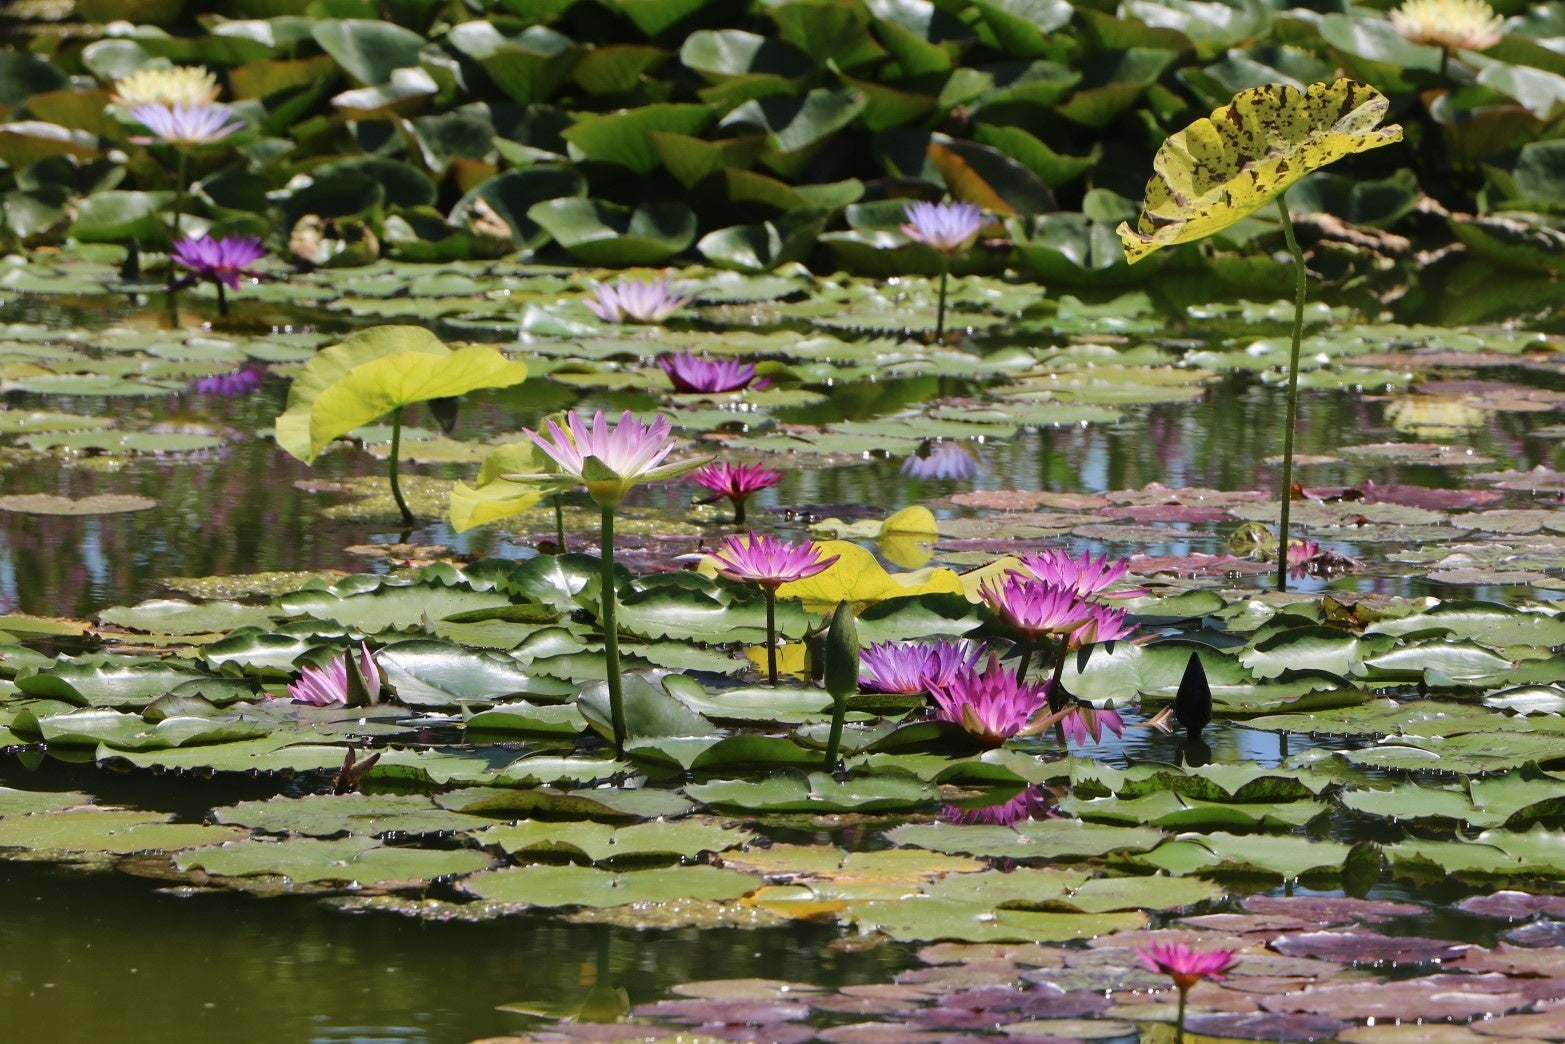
column 695, row 373
column 225, row 260
column 328, row 686
column 607, row 458
column 186, row 124
column 990, row 704
column 1456, row 25
column 1085, row 575
column 737, row 482
column 187, row 85
column 947, row 227
column 634, row 301
column 910, row 667
column 942, row 460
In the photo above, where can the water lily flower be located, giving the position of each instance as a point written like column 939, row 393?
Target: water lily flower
column 1300, row 554
column 1031, row 803
column 328, row 686
column 765, row 560
column 1186, row 967
column 941, row 460
column 634, row 301
column 695, row 373
column 769, row 562
column 186, row 124
column 1035, row 608
column 909, row 667
column 1087, row 576
column 187, row 85
column 230, row 385
column 948, row 227
column 1452, row 25
column 224, row 260
column 1084, row 723
column 608, row 459
column 737, row 482
column 1103, row 624
column 992, row 705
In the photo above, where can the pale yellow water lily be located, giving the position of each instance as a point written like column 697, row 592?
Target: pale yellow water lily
column 1455, row 25
column 188, row 85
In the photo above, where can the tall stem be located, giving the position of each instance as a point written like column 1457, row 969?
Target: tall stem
column 940, row 311
column 559, row 523
column 1025, row 660
column 222, row 298
column 611, row 633
column 739, row 510
column 771, row 636
column 1293, row 394
column 396, row 452
column 179, row 192
column 1179, row 1024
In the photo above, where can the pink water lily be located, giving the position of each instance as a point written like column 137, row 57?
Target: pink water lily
column 948, row 227
column 1034, row 608
column 1102, row 624
column 607, row 458
column 186, row 124
column 737, row 482
column 1186, row 967
column 328, row 686
column 634, row 301
column 910, row 667
column 1089, row 723
column 765, row 560
column 991, row 704
column 1085, row 575
column 695, row 373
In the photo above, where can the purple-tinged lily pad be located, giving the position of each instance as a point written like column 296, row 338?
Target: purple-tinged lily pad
column 1030, row 954
column 1433, row 998
column 1543, row 1025
column 1262, row 1026
column 1326, row 909
column 1356, row 947
column 743, row 989
column 882, row 1033
column 708, row 1012
column 1515, row 906
column 1538, row 934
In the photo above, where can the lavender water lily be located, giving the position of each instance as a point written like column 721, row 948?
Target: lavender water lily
column 948, row 229
column 223, row 262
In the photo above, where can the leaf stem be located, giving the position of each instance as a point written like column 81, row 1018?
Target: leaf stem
column 606, row 611
column 1293, row 395
column 771, row 635
column 940, row 311
column 396, row 451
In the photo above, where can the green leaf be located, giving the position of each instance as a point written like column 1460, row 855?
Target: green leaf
column 586, row 886
column 815, row 793
column 622, row 137
column 1223, row 168
column 368, row 50
column 378, row 370
column 605, row 234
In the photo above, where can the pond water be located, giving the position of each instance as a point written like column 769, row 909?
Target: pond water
column 161, row 964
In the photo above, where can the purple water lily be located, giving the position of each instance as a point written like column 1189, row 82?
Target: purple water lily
column 941, row 460
column 948, row 227
column 695, row 373
column 1032, row 803
column 769, row 562
column 633, row 301
column 230, row 385
column 737, row 482
column 1083, row 723
column 1103, row 624
column 223, row 262
column 909, row 667
column 1087, row 576
column 1034, row 608
column 186, row 124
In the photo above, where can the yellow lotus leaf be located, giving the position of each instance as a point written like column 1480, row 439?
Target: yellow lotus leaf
column 494, row 497
column 998, row 569
column 858, row 578
column 1246, row 154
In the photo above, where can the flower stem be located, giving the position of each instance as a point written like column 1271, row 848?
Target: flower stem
column 179, row 193
column 222, row 298
column 606, row 600
column 1179, row 1022
column 739, row 511
column 1293, row 394
column 940, row 311
column 771, row 636
column 1025, row 660
column 396, row 452
column 559, row 523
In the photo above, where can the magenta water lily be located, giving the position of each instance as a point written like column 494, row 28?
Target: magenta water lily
column 1088, row 576
column 634, row 301
column 1084, row 724
column 991, row 705
column 1186, row 967
column 697, row 373
column 1031, row 803
column 765, row 560
column 737, row 482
